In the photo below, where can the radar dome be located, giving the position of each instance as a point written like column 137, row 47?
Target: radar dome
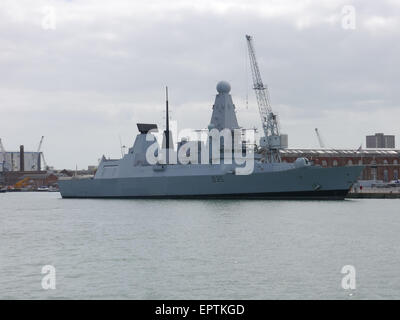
column 223, row 87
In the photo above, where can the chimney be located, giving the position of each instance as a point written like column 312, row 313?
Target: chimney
column 21, row 158
column 39, row 162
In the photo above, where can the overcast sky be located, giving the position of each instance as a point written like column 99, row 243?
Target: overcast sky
column 84, row 72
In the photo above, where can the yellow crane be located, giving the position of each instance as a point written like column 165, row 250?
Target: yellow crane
column 22, row 183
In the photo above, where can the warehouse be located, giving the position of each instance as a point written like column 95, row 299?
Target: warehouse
column 12, row 161
column 380, row 164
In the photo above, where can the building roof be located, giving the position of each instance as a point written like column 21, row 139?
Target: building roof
column 25, row 152
column 340, row 152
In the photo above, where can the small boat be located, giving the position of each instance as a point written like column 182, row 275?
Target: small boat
column 43, row 189
column 53, row 189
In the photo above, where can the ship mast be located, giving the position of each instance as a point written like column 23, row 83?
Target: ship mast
column 167, row 135
column 167, row 120
column 271, row 142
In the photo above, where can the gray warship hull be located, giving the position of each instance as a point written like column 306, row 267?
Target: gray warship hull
column 309, row 182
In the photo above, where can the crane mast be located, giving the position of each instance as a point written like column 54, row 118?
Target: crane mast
column 44, row 162
column 4, row 154
column 320, row 141
column 271, row 141
column 40, row 144
column 41, row 154
column 36, row 166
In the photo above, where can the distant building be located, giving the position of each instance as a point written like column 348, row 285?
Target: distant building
column 34, row 179
column 92, row 168
column 379, row 140
column 12, row 161
column 380, row 164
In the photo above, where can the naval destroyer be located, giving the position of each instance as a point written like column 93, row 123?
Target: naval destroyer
column 134, row 177
column 224, row 174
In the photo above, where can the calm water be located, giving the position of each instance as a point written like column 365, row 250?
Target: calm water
column 184, row 249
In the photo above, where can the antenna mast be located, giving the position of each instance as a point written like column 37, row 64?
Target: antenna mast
column 167, row 120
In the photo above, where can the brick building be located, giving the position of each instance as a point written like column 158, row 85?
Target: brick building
column 36, row 179
column 379, row 164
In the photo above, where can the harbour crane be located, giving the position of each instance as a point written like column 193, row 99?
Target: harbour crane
column 35, row 161
column 4, row 154
column 46, row 167
column 320, row 141
column 271, row 142
column 40, row 144
column 40, row 155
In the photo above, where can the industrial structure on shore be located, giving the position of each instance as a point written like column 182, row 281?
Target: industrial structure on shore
column 25, row 169
column 380, row 164
column 22, row 160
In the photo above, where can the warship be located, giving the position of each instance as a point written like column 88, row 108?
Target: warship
column 133, row 176
column 193, row 170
